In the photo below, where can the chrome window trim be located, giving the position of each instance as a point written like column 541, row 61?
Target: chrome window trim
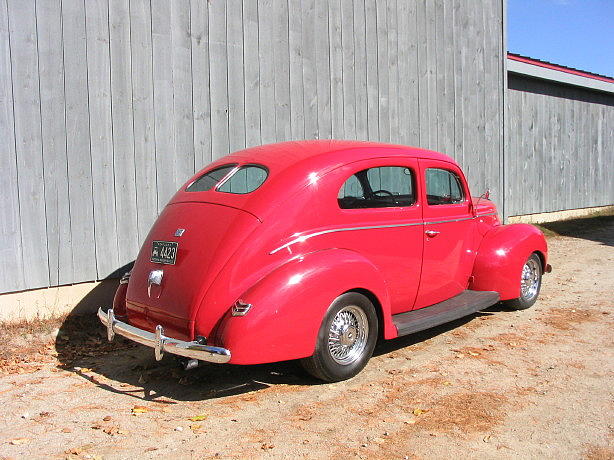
column 226, row 178
column 235, row 166
column 300, row 239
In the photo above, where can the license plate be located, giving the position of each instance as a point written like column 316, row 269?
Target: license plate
column 164, row 252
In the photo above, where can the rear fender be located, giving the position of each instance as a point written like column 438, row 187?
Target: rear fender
column 501, row 256
column 288, row 306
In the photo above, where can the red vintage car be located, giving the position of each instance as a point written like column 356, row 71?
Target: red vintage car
column 312, row 250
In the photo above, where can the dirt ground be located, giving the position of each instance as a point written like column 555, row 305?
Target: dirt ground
column 498, row 384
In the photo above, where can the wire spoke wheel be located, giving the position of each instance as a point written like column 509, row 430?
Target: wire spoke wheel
column 530, row 279
column 347, row 336
column 346, row 339
column 530, row 283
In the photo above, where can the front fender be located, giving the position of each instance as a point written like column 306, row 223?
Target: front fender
column 501, row 256
column 288, row 306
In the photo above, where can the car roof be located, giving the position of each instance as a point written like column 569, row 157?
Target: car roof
column 293, row 165
column 288, row 154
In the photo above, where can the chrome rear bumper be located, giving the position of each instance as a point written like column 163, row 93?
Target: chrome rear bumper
column 160, row 343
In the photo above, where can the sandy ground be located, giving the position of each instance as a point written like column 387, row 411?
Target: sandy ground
column 499, row 384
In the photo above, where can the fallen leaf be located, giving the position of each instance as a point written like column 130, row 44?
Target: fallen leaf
column 198, row 418
column 79, row 450
column 195, row 426
column 111, row 430
column 418, row 412
column 139, row 410
column 18, row 441
column 446, row 383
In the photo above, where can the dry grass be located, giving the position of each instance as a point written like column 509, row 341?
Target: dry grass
column 28, row 345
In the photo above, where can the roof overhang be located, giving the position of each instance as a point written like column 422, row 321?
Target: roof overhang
column 544, row 73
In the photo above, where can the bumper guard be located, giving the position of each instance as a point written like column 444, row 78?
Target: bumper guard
column 160, row 343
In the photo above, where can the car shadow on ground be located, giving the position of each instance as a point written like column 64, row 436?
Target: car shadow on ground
column 126, row 368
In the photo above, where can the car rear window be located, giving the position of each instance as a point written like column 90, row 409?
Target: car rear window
column 209, row 180
column 245, row 180
column 230, row 179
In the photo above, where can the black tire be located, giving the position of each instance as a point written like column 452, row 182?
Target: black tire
column 346, row 339
column 530, row 284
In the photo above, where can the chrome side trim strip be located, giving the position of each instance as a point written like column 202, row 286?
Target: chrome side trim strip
column 160, row 343
column 300, row 239
column 448, row 221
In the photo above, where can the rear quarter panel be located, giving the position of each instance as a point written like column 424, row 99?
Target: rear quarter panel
column 290, row 303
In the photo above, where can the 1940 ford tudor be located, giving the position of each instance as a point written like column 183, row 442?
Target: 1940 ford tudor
column 312, row 250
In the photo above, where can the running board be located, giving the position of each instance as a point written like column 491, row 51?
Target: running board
column 463, row 304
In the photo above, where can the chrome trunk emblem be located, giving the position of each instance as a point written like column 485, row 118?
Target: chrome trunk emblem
column 179, row 231
column 155, row 277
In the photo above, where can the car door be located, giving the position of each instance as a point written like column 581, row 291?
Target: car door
column 448, row 228
column 378, row 201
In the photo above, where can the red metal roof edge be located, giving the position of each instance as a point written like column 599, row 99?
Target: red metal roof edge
column 560, row 68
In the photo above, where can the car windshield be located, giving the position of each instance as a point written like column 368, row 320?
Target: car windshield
column 230, row 179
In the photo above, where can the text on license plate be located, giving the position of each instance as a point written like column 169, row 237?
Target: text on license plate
column 164, row 252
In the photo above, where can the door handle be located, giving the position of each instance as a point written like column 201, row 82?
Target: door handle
column 431, row 233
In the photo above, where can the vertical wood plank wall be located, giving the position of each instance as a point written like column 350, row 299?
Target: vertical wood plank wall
column 560, row 147
column 108, row 106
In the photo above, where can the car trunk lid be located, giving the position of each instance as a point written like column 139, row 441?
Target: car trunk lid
column 169, row 293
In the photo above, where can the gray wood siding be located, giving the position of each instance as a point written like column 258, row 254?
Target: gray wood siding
column 108, row 106
column 559, row 149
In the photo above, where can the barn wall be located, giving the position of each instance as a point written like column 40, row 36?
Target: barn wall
column 107, row 106
column 560, row 147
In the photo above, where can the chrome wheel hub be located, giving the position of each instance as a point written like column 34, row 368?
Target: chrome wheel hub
column 348, row 333
column 529, row 282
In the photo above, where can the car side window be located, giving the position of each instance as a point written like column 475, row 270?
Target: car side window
column 382, row 187
column 443, row 187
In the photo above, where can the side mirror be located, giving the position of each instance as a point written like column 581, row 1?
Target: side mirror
column 483, row 196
